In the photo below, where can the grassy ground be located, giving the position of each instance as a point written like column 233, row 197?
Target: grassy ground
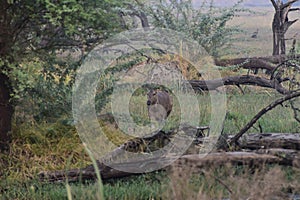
column 56, row 146
column 215, row 183
column 143, row 187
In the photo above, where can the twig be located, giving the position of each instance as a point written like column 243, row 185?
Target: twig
column 261, row 113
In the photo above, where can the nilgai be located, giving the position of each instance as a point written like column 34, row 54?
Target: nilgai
column 159, row 104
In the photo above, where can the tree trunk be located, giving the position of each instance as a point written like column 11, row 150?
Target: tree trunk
column 6, row 112
column 275, row 29
column 282, row 44
column 281, row 24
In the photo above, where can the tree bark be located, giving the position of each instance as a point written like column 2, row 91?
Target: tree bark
column 6, row 112
column 281, row 24
column 251, row 159
column 270, row 140
column 6, row 107
column 253, row 64
column 140, row 14
column 194, row 161
column 204, row 85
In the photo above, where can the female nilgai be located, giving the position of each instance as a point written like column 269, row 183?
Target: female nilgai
column 159, row 104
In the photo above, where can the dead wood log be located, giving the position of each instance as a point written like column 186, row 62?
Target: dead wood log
column 270, row 140
column 287, row 155
column 251, row 159
column 255, row 63
column 87, row 173
column 195, row 161
column 107, row 172
column 204, row 85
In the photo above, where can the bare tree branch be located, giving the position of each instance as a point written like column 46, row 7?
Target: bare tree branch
column 294, row 9
column 287, row 4
column 261, row 113
column 200, row 85
column 140, row 14
column 274, row 4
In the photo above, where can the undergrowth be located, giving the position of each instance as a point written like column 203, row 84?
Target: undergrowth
column 40, row 147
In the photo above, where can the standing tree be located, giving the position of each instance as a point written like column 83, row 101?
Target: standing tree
column 281, row 24
column 37, row 30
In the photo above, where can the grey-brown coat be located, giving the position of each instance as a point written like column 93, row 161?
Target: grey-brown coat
column 159, row 104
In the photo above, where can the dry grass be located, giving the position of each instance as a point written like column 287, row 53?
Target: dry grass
column 42, row 147
column 268, row 182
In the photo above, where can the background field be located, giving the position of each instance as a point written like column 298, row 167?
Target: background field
column 261, row 20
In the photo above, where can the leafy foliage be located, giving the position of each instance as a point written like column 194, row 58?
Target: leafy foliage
column 110, row 77
column 49, row 25
column 43, row 42
column 207, row 24
column 37, row 30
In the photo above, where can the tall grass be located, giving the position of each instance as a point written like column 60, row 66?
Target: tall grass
column 240, row 109
column 233, row 182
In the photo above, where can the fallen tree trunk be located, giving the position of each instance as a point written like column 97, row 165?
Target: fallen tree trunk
column 286, row 154
column 285, row 151
column 255, row 63
column 196, row 161
column 204, row 85
column 270, row 140
column 251, row 159
column 88, row 173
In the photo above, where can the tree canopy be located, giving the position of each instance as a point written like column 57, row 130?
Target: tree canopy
column 33, row 32
column 37, row 26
